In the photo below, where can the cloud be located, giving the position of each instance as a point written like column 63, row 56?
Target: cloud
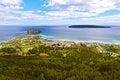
column 106, row 20
column 11, row 12
column 60, row 12
column 7, row 9
column 70, row 14
column 95, row 6
column 112, row 19
column 20, row 17
column 100, row 6
column 64, row 2
column 83, row 11
column 39, row 11
column 11, row 4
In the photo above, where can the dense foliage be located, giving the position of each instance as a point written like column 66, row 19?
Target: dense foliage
column 61, row 63
column 8, row 51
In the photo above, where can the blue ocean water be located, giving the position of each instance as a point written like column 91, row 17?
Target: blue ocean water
column 107, row 35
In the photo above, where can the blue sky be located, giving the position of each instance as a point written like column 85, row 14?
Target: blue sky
column 59, row 12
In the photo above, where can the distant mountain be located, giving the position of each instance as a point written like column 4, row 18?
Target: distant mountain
column 88, row 26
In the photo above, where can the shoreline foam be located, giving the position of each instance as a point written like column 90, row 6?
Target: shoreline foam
column 79, row 41
column 53, row 39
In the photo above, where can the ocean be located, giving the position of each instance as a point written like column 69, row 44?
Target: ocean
column 105, row 35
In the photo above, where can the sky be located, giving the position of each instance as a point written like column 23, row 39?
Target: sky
column 59, row 12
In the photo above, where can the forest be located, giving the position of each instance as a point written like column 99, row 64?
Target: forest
column 46, row 62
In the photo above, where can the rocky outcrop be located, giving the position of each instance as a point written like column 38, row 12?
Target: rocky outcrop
column 30, row 32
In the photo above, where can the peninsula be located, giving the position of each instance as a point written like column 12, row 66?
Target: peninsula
column 88, row 26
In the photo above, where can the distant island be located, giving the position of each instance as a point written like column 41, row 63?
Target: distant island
column 30, row 32
column 88, row 26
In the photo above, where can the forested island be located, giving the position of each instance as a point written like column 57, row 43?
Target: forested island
column 88, row 26
column 35, row 58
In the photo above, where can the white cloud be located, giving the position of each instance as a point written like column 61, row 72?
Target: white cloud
column 10, row 2
column 83, row 11
column 70, row 14
column 64, row 12
column 20, row 16
column 112, row 19
column 95, row 6
column 100, row 6
column 63, row 2
column 10, row 12
column 58, row 14
column 39, row 11
column 30, row 16
column 106, row 20
column 14, row 7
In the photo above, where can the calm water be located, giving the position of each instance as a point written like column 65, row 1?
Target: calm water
column 107, row 35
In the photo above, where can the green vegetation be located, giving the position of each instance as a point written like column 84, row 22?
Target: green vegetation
column 21, row 44
column 112, row 48
column 39, row 61
column 8, row 50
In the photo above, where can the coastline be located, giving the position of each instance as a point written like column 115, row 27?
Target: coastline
column 58, row 40
column 106, row 36
column 11, row 39
column 28, row 42
column 77, row 41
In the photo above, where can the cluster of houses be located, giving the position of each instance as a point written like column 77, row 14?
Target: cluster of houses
column 27, row 40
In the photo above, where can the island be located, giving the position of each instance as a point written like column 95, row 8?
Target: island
column 88, row 26
column 30, row 32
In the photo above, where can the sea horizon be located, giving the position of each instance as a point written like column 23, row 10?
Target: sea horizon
column 63, row 33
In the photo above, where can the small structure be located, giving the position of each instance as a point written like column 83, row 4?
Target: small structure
column 30, row 32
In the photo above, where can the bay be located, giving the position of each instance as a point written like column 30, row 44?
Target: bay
column 106, row 35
